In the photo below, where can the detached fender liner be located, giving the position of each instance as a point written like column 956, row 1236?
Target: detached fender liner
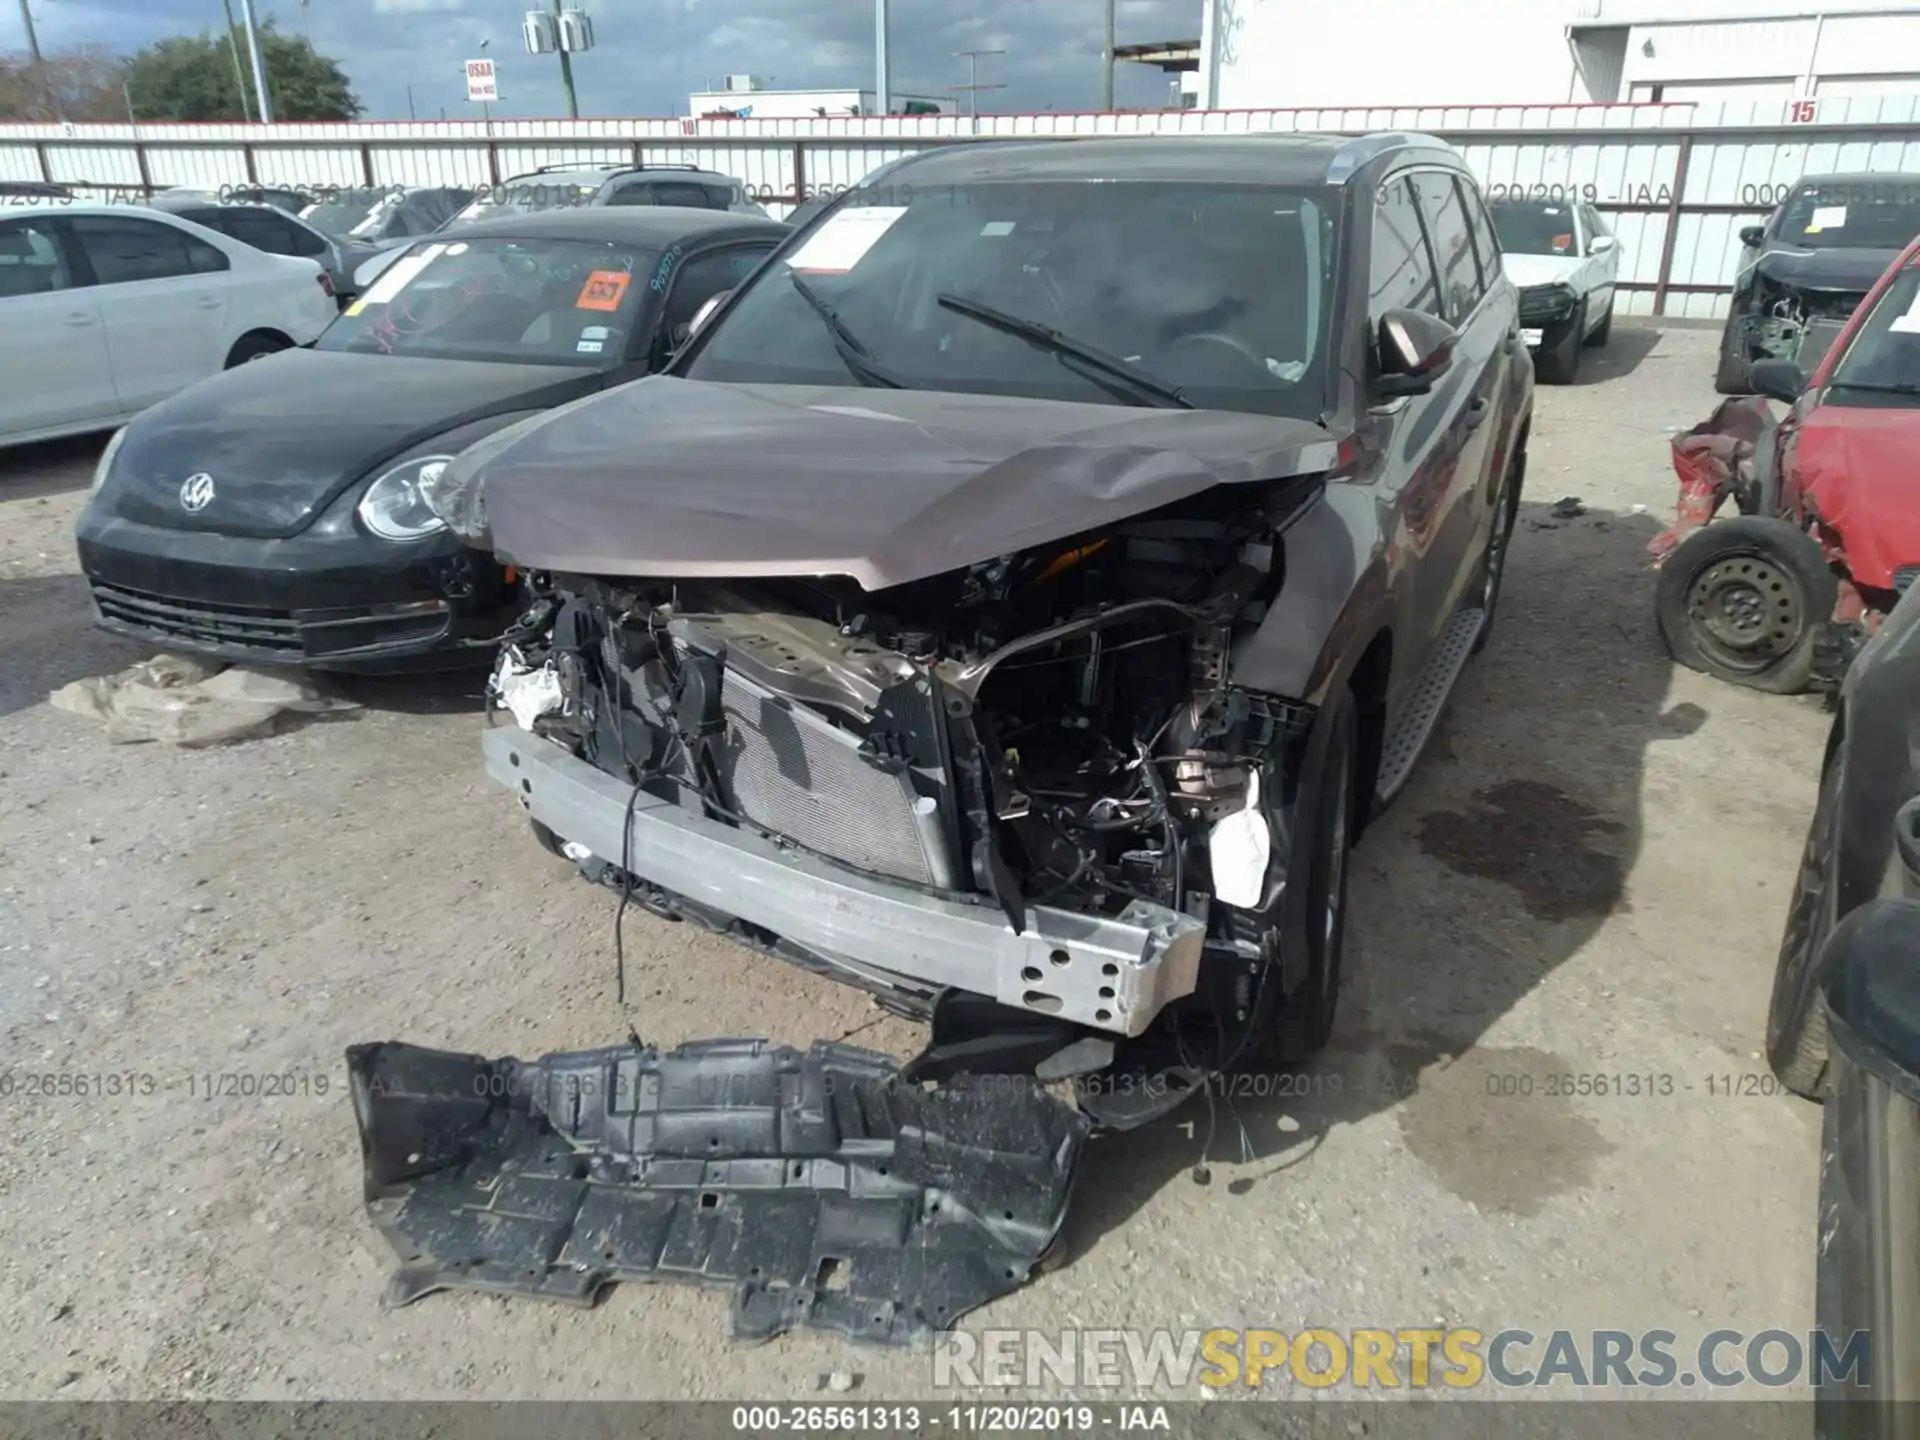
column 824, row 1188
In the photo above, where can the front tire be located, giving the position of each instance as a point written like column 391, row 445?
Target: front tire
column 1797, row 1045
column 256, row 345
column 1493, row 560
column 1305, row 1022
column 1603, row 332
column 1743, row 600
column 1732, row 376
column 1561, row 364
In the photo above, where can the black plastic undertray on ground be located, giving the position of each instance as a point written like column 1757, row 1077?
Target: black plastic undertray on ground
column 821, row 1186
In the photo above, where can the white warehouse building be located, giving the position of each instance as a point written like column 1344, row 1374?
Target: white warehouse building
column 1262, row 53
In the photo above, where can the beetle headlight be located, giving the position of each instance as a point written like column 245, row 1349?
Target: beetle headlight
column 106, row 460
column 394, row 507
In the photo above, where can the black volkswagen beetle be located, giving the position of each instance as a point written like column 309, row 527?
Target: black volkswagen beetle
column 272, row 513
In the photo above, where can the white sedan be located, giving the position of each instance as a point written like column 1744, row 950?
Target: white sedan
column 105, row 310
column 1566, row 264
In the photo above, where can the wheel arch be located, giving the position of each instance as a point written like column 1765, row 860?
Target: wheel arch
column 259, row 332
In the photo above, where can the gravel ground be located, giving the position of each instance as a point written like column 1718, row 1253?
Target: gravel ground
column 1587, row 875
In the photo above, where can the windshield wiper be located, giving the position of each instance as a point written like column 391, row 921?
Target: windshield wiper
column 1881, row 387
column 1066, row 347
column 846, row 344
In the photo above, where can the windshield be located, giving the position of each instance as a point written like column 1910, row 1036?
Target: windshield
column 1853, row 214
column 1885, row 353
column 526, row 196
column 550, row 302
column 1530, row 229
column 1218, row 291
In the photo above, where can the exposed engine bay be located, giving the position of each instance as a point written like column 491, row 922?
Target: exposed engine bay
column 1052, row 728
column 1798, row 325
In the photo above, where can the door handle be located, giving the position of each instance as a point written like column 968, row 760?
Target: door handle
column 209, row 302
column 1477, row 411
column 79, row 317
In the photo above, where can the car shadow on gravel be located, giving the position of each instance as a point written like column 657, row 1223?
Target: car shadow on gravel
column 1505, row 854
column 48, row 639
column 1626, row 347
column 50, row 467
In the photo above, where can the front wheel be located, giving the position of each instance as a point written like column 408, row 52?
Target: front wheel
column 1305, row 1021
column 1493, row 560
column 1732, row 375
column 1743, row 600
column 256, row 346
column 1561, row 364
column 1604, row 330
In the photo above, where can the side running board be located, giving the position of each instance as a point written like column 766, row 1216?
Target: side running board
column 1429, row 698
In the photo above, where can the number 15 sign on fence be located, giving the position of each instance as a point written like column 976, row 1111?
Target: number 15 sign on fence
column 482, row 83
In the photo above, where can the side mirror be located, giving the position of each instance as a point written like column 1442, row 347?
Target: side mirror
column 702, row 315
column 1415, row 349
column 1776, row 379
column 1752, row 235
column 1872, row 990
column 1602, row 245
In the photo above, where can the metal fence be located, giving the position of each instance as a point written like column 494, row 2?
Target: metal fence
column 1678, row 181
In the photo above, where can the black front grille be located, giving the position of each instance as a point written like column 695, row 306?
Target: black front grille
column 266, row 630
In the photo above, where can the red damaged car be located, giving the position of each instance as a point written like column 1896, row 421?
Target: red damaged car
column 1828, row 536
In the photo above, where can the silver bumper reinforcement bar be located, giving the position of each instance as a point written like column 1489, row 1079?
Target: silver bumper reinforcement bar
column 1111, row 974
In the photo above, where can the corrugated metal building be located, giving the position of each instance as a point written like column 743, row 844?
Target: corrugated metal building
column 1258, row 53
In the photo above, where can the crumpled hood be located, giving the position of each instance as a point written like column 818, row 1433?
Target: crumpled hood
column 281, row 437
column 683, row 478
column 1529, row 270
column 1859, row 465
column 1850, row 271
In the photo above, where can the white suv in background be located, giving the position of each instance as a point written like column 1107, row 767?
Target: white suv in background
column 106, row 309
column 1565, row 263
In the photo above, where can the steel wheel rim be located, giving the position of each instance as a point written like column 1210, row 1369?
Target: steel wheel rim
column 1746, row 611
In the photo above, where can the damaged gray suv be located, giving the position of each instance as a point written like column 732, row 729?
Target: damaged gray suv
column 1018, row 595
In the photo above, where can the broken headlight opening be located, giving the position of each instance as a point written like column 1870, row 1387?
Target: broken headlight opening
column 1784, row 323
column 1546, row 304
column 1021, row 800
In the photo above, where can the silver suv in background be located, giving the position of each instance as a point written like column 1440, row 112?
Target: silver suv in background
column 565, row 184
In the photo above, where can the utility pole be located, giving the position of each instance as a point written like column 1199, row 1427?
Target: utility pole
column 882, row 81
column 239, row 71
column 259, row 66
column 566, row 70
column 39, row 61
column 1106, row 62
column 410, row 114
column 973, row 87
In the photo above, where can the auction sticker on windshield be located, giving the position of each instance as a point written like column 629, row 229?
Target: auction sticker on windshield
column 1827, row 217
column 603, row 291
column 839, row 244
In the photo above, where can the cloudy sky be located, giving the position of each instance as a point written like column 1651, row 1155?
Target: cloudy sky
column 652, row 53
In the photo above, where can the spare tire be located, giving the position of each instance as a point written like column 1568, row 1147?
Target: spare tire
column 1743, row 600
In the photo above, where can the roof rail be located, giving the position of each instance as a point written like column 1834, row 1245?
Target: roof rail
column 560, row 165
column 1364, row 148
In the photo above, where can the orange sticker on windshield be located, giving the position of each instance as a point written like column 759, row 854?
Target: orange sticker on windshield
column 604, row 290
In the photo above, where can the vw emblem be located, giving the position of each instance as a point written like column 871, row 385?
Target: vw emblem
column 196, row 492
